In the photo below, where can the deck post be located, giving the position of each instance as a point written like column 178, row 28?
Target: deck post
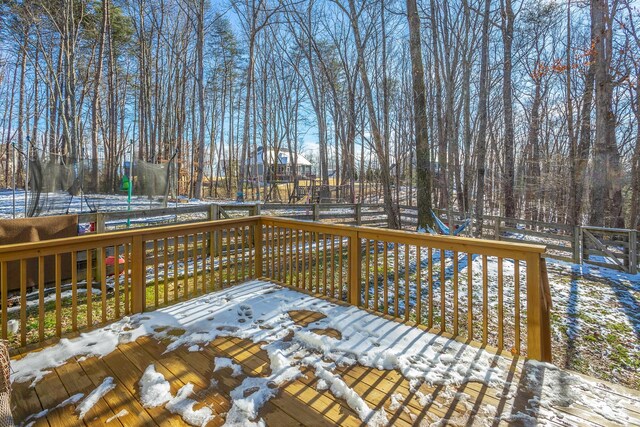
column 137, row 274
column 538, row 328
column 257, row 247
column 355, row 266
column 100, row 223
column 577, row 240
column 633, row 252
column 214, row 214
column 100, row 252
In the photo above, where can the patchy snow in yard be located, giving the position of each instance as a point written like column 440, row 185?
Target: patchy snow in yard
column 367, row 340
column 595, row 318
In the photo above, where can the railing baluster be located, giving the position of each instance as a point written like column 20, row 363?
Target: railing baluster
column 333, row 266
column 220, row 270
column 74, row 292
column 194, row 256
column 385, row 279
column 101, row 253
column 203, row 262
column 430, row 285
column 341, row 280
column 304, row 261
column 41, row 298
column 268, row 272
column 516, row 297
column 470, row 295
column 279, row 265
column 418, row 285
column 443, row 307
column 324, row 264
column 243, row 236
column 273, row 255
column 116, row 279
column 229, row 243
column 58, row 276
column 236, row 236
column 127, row 276
column 285, row 256
column 317, row 257
column 185, row 266
column 455, row 293
column 155, row 272
column 89, row 280
column 366, row 274
column 485, row 303
column 406, row 282
column 165, row 268
column 290, row 257
column 297, row 259
column 175, row 267
column 396, row 267
column 375, row 275
column 500, row 307
column 309, row 245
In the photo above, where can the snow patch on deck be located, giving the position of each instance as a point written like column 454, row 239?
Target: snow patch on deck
column 367, row 339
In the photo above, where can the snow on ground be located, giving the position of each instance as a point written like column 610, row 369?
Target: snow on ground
column 367, row 340
column 89, row 402
column 182, row 405
column 154, row 389
column 225, row 362
column 122, row 413
column 116, row 202
column 595, row 317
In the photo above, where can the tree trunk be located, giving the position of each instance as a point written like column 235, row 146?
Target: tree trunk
column 606, row 193
column 379, row 144
column 482, row 120
column 200, row 60
column 423, row 163
column 508, row 179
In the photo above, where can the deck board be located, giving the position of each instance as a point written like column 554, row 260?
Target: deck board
column 298, row 402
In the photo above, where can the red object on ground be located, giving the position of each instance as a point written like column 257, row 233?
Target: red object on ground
column 110, row 260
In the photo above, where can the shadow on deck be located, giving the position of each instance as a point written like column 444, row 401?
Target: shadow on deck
column 338, row 389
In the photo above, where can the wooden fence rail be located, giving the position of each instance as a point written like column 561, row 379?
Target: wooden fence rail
column 616, row 248
column 489, row 292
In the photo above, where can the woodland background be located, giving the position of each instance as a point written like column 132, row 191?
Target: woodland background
column 532, row 107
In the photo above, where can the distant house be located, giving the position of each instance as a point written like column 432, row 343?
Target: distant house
column 256, row 166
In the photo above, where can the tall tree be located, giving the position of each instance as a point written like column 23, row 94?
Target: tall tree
column 423, row 162
column 481, row 149
column 606, row 191
column 508, row 179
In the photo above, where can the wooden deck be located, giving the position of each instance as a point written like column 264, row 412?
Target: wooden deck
column 298, row 402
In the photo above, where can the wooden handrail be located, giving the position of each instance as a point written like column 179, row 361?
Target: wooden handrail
column 89, row 241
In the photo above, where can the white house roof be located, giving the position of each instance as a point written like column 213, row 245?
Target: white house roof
column 284, row 157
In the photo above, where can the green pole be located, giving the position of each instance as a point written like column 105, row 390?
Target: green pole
column 130, row 189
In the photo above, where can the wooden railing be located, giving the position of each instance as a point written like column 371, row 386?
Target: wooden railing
column 494, row 293
column 101, row 278
column 500, row 300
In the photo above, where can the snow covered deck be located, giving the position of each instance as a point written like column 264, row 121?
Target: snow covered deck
column 259, row 352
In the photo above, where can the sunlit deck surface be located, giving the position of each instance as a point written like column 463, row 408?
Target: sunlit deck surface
column 518, row 394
